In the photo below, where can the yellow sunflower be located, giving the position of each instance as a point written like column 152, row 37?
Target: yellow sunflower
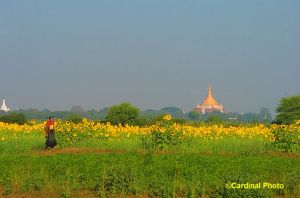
column 272, row 138
column 167, row 117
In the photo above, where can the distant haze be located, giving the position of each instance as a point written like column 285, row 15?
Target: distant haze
column 56, row 54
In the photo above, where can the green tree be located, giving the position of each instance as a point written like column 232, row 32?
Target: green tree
column 194, row 115
column 214, row 119
column 124, row 113
column 17, row 118
column 74, row 117
column 174, row 111
column 288, row 110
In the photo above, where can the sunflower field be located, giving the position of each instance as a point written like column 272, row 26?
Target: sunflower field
column 166, row 132
column 166, row 159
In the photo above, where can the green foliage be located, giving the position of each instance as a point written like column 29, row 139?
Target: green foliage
column 286, row 139
column 120, row 168
column 115, row 181
column 194, row 115
column 17, row 118
column 143, row 120
column 74, row 118
column 149, row 116
column 288, row 110
column 6, row 182
column 159, row 139
column 214, row 119
column 173, row 111
column 181, row 121
column 124, row 113
column 156, row 175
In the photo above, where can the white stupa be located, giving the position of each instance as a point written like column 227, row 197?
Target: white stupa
column 4, row 107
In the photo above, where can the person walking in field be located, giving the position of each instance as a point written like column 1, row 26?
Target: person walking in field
column 49, row 133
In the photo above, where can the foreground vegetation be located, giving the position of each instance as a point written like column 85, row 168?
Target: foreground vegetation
column 162, row 160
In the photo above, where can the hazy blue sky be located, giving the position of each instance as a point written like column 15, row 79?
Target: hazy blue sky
column 57, row 53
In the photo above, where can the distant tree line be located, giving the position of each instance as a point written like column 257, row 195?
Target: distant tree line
column 125, row 113
column 13, row 117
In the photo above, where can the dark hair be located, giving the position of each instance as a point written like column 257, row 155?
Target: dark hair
column 50, row 117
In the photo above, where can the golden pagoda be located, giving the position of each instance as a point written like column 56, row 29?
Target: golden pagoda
column 209, row 104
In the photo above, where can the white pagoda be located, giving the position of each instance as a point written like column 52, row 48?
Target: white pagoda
column 4, row 107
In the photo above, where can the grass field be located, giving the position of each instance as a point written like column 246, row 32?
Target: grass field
column 123, row 167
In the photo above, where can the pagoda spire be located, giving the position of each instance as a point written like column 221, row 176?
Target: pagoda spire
column 209, row 94
column 209, row 104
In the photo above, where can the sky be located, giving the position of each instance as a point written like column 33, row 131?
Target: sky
column 55, row 54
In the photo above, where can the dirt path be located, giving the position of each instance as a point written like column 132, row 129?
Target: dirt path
column 76, row 150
